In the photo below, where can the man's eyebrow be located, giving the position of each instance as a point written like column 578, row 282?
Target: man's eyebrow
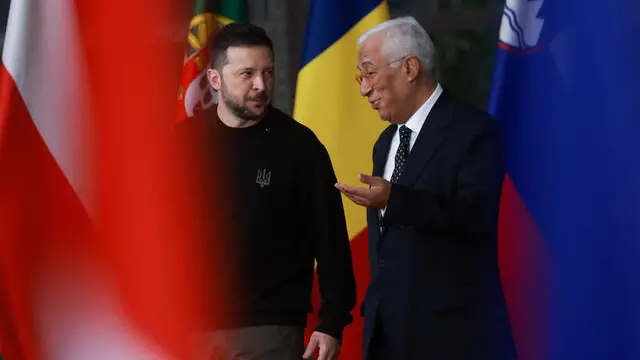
column 245, row 68
column 366, row 62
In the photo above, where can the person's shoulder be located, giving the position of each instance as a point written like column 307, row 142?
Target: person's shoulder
column 189, row 127
column 196, row 122
column 472, row 116
column 294, row 129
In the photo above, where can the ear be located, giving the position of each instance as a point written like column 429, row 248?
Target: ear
column 215, row 79
column 411, row 68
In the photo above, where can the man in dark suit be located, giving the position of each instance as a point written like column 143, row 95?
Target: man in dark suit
column 432, row 206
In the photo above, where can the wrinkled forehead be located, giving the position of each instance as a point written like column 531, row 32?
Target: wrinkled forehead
column 249, row 56
column 370, row 52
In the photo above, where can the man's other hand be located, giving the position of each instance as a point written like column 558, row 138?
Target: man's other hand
column 328, row 347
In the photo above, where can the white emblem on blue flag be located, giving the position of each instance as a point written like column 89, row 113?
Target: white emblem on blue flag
column 521, row 26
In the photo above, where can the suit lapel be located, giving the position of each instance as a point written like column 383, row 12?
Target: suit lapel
column 429, row 139
column 380, row 156
column 380, row 152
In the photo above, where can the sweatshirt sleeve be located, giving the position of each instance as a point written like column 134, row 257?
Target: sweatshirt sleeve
column 326, row 226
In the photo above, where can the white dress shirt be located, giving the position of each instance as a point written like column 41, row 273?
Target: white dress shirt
column 414, row 123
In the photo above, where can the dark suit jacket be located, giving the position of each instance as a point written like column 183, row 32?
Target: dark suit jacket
column 435, row 288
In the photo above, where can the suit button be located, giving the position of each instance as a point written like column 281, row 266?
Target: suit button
column 382, row 263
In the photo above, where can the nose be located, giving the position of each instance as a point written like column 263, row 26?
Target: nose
column 258, row 83
column 365, row 87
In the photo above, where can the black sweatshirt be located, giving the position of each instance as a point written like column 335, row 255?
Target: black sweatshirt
column 281, row 211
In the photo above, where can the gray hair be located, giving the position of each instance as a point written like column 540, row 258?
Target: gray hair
column 405, row 36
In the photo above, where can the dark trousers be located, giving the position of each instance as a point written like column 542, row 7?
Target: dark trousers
column 378, row 348
column 255, row 343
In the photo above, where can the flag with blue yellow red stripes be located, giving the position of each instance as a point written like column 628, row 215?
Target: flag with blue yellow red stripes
column 328, row 101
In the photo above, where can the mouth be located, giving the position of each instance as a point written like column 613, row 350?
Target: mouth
column 375, row 104
column 257, row 103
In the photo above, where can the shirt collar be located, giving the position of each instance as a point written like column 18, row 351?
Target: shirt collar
column 418, row 118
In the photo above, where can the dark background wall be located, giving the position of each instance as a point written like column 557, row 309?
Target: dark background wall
column 464, row 31
column 4, row 12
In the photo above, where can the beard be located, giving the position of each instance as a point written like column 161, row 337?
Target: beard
column 242, row 111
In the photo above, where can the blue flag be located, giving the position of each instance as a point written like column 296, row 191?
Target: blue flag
column 565, row 90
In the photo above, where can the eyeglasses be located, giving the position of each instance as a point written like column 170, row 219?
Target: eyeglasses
column 371, row 73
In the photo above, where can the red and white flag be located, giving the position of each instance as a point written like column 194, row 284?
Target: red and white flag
column 98, row 257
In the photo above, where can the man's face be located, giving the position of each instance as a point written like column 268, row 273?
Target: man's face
column 381, row 81
column 245, row 83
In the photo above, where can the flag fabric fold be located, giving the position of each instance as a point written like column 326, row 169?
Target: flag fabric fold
column 564, row 74
column 332, row 107
column 42, row 207
column 98, row 255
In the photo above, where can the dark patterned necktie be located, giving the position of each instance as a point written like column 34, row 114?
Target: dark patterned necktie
column 402, row 154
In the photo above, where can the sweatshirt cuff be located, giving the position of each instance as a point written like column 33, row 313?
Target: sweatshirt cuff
column 333, row 331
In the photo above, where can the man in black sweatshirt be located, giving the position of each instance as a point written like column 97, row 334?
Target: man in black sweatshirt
column 276, row 210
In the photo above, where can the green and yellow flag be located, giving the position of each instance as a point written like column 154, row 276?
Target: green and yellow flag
column 195, row 94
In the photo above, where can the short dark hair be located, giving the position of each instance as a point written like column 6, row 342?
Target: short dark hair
column 237, row 34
